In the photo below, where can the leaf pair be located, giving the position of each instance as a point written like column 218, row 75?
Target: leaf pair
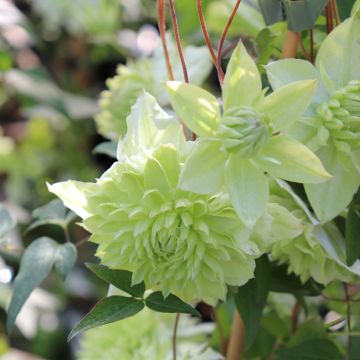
column 114, row 308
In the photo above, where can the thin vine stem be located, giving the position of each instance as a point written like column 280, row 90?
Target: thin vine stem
column 295, row 316
column 178, row 40
column 348, row 315
column 162, row 30
column 305, row 52
column 175, row 335
column 312, row 48
column 222, row 40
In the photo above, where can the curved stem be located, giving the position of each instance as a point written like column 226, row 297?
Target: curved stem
column 178, row 41
column 222, row 40
column 174, row 335
column 162, row 30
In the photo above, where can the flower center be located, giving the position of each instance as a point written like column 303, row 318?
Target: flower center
column 244, row 131
column 340, row 118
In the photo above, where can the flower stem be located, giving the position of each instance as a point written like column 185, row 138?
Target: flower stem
column 219, row 329
column 290, row 45
column 175, row 334
column 162, row 30
column 234, row 351
column 348, row 309
column 222, row 40
column 178, row 41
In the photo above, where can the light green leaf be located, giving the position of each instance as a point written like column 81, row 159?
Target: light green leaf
column 122, row 279
column 339, row 54
column 286, row 105
column 106, row 311
column 7, row 222
column 242, row 83
column 169, row 304
column 74, row 195
column 197, row 108
column 331, row 197
column 106, row 148
column 290, row 160
column 353, row 230
column 355, row 8
column 203, row 171
column 248, row 188
column 155, row 177
column 287, row 71
column 38, row 259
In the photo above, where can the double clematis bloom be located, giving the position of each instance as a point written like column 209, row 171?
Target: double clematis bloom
column 191, row 245
column 331, row 124
column 237, row 145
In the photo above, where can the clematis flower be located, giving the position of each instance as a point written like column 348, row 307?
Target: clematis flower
column 235, row 148
column 331, row 124
column 188, row 244
column 317, row 252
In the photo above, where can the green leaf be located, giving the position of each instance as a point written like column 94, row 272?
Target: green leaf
column 36, row 263
column 197, row 108
column 316, row 349
column 7, row 222
column 331, row 197
column 53, row 213
column 242, row 83
column 170, row 304
column 122, row 279
column 286, row 105
column 203, row 171
column 248, row 188
column 65, row 259
column 106, row 311
column 106, row 148
column 353, row 230
column 290, row 160
column 250, row 300
column 312, row 328
column 355, row 8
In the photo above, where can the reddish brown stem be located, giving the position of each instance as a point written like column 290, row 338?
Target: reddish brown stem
column 329, row 17
column 178, row 41
column 336, row 12
column 222, row 40
column 305, row 52
column 348, row 310
column 290, row 45
column 295, row 316
column 162, row 30
column 312, row 51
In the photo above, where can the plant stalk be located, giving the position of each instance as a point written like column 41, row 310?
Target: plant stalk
column 236, row 342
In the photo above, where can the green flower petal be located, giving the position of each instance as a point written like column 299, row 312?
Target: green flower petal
column 203, row 171
column 286, row 105
column 331, row 197
column 339, row 54
column 248, row 188
column 290, row 160
column 197, row 108
column 242, row 83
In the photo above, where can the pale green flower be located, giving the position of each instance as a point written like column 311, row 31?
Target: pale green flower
column 188, row 244
column 331, row 125
column 236, row 147
column 145, row 73
column 147, row 336
column 319, row 251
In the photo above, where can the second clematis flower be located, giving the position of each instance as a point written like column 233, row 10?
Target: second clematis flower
column 242, row 141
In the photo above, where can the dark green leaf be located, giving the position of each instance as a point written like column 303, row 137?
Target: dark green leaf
column 345, row 7
column 119, row 278
column 283, row 282
column 53, row 213
column 7, row 222
column 316, row 349
column 106, row 311
column 35, row 265
column 251, row 298
column 353, row 231
column 310, row 329
column 65, row 259
column 170, row 304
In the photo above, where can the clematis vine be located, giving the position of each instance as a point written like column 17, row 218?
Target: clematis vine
column 237, row 145
column 331, row 124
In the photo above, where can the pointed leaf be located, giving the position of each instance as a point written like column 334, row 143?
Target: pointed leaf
column 288, row 103
column 122, row 279
column 7, row 222
column 170, row 304
column 65, row 259
column 203, row 171
column 248, row 188
column 353, row 231
column 106, row 311
column 106, row 148
column 242, row 83
column 197, row 108
column 35, row 265
column 290, row 160
column 331, row 197
column 250, row 300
